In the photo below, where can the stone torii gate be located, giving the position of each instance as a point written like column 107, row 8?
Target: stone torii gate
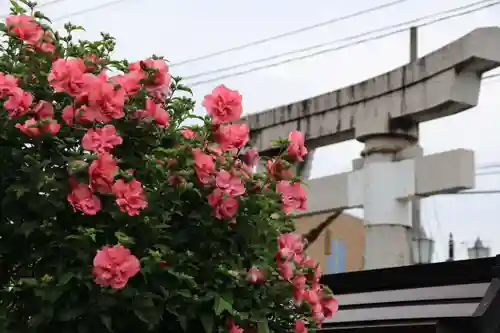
column 384, row 112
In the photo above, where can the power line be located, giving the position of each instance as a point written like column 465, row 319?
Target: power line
column 336, row 41
column 89, row 10
column 491, row 76
column 42, row 5
column 76, row 13
column 362, row 41
column 290, row 33
column 487, row 173
column 494, row 165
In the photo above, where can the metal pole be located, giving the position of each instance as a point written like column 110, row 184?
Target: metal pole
column 413, row 44
column 451, row 248
column 416, row 216
column 473, row 192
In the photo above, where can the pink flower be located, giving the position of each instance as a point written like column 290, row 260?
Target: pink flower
column 223, row 207
column 102, row 173
column 101, row 140
column 160, row 93
column 251, row 157
column 114, row 266
column 43, row 110
column 34, row 128
column 217, row 151
column 130, row 196
column 91, row 62
column 300, row 326
column 311, row 296
column 233, row 328
column 278, row 169
column 105, row 103
column 204, row 166
column 30, row 128
column 285, row 269
column 66, row 75
column 70, row 115
column 296, row 148
column 161, row 76
column 232, row 136
column 315, row 275
column 317, row 313
column 25, row 28
column 46, row 43
column 293, row 196
column 7, row 83
column 50, row 126
column 330, row 306
column 299, row 287
column 229, row 183
column 309, row 262
column 129, row 82
column 154, row 112
column 255, row 276
column 18, row 102
column 241, row 169
column 82, row 199
column 223, row 105
column 188, row 133
column 290, row 245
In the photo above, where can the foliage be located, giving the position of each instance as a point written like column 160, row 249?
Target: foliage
column 117, row 217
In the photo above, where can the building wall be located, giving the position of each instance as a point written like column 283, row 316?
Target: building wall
column 346, row 228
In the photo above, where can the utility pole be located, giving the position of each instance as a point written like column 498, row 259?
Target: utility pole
column 413, row 44
column 417, row 231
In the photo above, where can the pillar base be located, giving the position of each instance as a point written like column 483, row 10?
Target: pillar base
column 387, row 246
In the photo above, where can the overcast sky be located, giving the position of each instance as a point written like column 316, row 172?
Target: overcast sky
column 181, row 30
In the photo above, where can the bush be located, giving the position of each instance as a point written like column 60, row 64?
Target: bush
column 117, row 216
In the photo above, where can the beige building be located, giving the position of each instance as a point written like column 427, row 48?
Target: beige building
column 340, row 247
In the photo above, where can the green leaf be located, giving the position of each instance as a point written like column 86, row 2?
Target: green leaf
column 65, row 278
column 124, row 238
column 143, row 302
column 183, row 322
column 145, row 310
column 221, row 305
column 16, row 8
column 28, row 227
column 18, row 189
column 36, row 320
column 41, row 16
column 106, row 321
column 70, row 314
column 182, row 87
column 150, row 316
column 28, row 281
column 262, row 326
column 52, row 295
column 208, row 322
column 184, row 293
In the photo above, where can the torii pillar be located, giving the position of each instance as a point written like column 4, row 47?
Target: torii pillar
column 384, row 112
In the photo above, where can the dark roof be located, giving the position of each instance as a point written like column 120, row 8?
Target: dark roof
column 461, row 296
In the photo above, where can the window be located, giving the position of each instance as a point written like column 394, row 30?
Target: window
column 335, row 262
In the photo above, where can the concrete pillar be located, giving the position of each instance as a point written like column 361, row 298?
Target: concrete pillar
column 388, row 244
column 413, row 151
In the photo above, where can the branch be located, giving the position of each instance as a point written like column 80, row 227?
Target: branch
column 313, row 234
